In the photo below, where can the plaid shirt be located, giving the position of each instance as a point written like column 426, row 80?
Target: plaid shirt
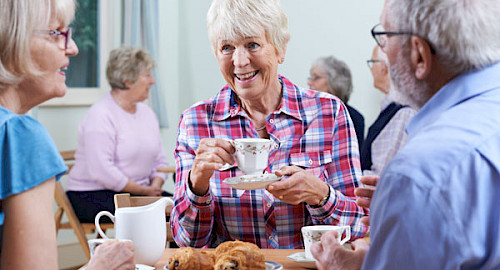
column 310, row 129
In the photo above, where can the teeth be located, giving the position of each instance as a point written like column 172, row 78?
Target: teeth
column 246, row 76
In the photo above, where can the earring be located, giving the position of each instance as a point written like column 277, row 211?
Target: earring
column 282, row 60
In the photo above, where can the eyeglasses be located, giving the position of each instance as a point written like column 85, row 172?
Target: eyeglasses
column 371, row 62
column 314, row 78
column 380, row 36
column 55, row 33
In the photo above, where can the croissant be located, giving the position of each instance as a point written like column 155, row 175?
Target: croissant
column 186, row 258
column 237, row 255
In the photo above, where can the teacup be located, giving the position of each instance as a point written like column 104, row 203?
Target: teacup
column 252, row 154
column 312, row 234
column 94, row 243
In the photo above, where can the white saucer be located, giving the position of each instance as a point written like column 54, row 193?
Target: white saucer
column 300, row 257
column 273, row 266
column 137, row 267
column 251, row 182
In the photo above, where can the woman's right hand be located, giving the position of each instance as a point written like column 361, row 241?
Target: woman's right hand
column 211, row 155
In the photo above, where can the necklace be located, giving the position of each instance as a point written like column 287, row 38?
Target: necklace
column 261, row 128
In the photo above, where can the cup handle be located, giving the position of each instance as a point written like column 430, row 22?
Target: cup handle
column 98, row 227
column 347, row 230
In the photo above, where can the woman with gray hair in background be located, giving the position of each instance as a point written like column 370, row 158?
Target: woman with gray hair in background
column 312, row 137
column 331, row 75
column 119, row 143
column 35, row 45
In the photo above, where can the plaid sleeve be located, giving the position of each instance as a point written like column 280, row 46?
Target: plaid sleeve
column 191, row 218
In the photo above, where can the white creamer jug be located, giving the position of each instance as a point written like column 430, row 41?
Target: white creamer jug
column 144, row 225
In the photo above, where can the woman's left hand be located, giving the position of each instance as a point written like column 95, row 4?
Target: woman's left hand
column 300, row 186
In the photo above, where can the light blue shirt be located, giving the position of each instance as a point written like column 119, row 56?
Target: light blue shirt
column 28, row 156
column 437, row 205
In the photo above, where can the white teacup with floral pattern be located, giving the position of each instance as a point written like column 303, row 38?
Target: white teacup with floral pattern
column 312, row 234
column 252, row 154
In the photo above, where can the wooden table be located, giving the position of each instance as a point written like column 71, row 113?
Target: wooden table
column 170, row 169
column 275, row 255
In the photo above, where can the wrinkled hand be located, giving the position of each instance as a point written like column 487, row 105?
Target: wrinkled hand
column 211, row 155
column 152, row 191
column 365, row 194
column 300, row 186
column 330, row 254
column 157, row 182
column 113, row 255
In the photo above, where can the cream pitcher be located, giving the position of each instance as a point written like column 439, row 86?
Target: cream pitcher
column 144, row 225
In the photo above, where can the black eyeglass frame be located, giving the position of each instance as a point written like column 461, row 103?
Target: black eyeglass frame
column 66, row 34
column 370, row 62
column 375, row 35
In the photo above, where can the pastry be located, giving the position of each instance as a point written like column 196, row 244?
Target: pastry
column 237, row 255
column 187, row 258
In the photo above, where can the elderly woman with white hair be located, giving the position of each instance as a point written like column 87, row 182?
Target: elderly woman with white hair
column 119, row 143
column 331, row 75
column 35, row 45
column 313, row 143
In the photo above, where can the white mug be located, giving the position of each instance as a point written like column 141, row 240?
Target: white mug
column 145, row 225
column 252, row 154
column 312, row 234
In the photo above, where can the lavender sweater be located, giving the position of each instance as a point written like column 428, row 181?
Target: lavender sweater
column 115, row 146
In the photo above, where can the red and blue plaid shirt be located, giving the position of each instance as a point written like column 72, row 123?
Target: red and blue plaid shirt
column 310, row 129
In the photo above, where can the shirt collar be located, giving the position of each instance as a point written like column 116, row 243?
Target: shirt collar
column 454, row 92
column 227, row 102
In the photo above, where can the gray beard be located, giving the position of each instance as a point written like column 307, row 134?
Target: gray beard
column 405, row 88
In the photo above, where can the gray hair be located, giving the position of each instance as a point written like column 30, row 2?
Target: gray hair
column 125, row 64
column 464, row 33
column 18, row 19
column 231, row 19
column 339, row 76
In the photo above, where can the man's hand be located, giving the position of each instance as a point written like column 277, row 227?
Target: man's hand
column 365, row 194
column 330, row 254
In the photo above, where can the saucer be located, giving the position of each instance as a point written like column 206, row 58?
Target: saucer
column 251, row 182
column 273, row 266
column 300, row 257
column 137, row 267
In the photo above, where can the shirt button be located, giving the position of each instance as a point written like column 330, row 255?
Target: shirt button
column 208, row 201
column 310, row 162
column 271, row 121
column 276, row 146
column 271, row 238
column 268, row 205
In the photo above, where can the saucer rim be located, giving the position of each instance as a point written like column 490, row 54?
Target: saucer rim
column 236, row 184
column 302, row 257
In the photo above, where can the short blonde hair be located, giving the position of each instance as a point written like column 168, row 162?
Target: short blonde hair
column 125, row 64
column 231, row 19
column 18, row 19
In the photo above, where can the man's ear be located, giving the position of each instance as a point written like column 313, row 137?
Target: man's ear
column 420, row 57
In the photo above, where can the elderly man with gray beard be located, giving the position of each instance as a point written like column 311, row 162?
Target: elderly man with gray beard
column 437, row 204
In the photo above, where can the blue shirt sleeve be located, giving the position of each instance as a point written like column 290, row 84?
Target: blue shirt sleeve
column 29, row 155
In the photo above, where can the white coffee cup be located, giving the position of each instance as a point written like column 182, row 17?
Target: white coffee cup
column 312, row 234
column 252, row 154
column 94, row 243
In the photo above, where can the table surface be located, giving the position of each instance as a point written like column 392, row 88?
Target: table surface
column 275, row 255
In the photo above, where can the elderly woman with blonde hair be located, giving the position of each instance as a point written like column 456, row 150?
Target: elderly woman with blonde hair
column 35, row 45
column 119, row 143
column 312, row 137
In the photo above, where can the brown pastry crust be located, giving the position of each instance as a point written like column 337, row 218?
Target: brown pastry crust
column 237, row 255
column 187, row 258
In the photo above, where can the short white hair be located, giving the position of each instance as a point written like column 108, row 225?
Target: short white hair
column 464, row 33
column 232, row 19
